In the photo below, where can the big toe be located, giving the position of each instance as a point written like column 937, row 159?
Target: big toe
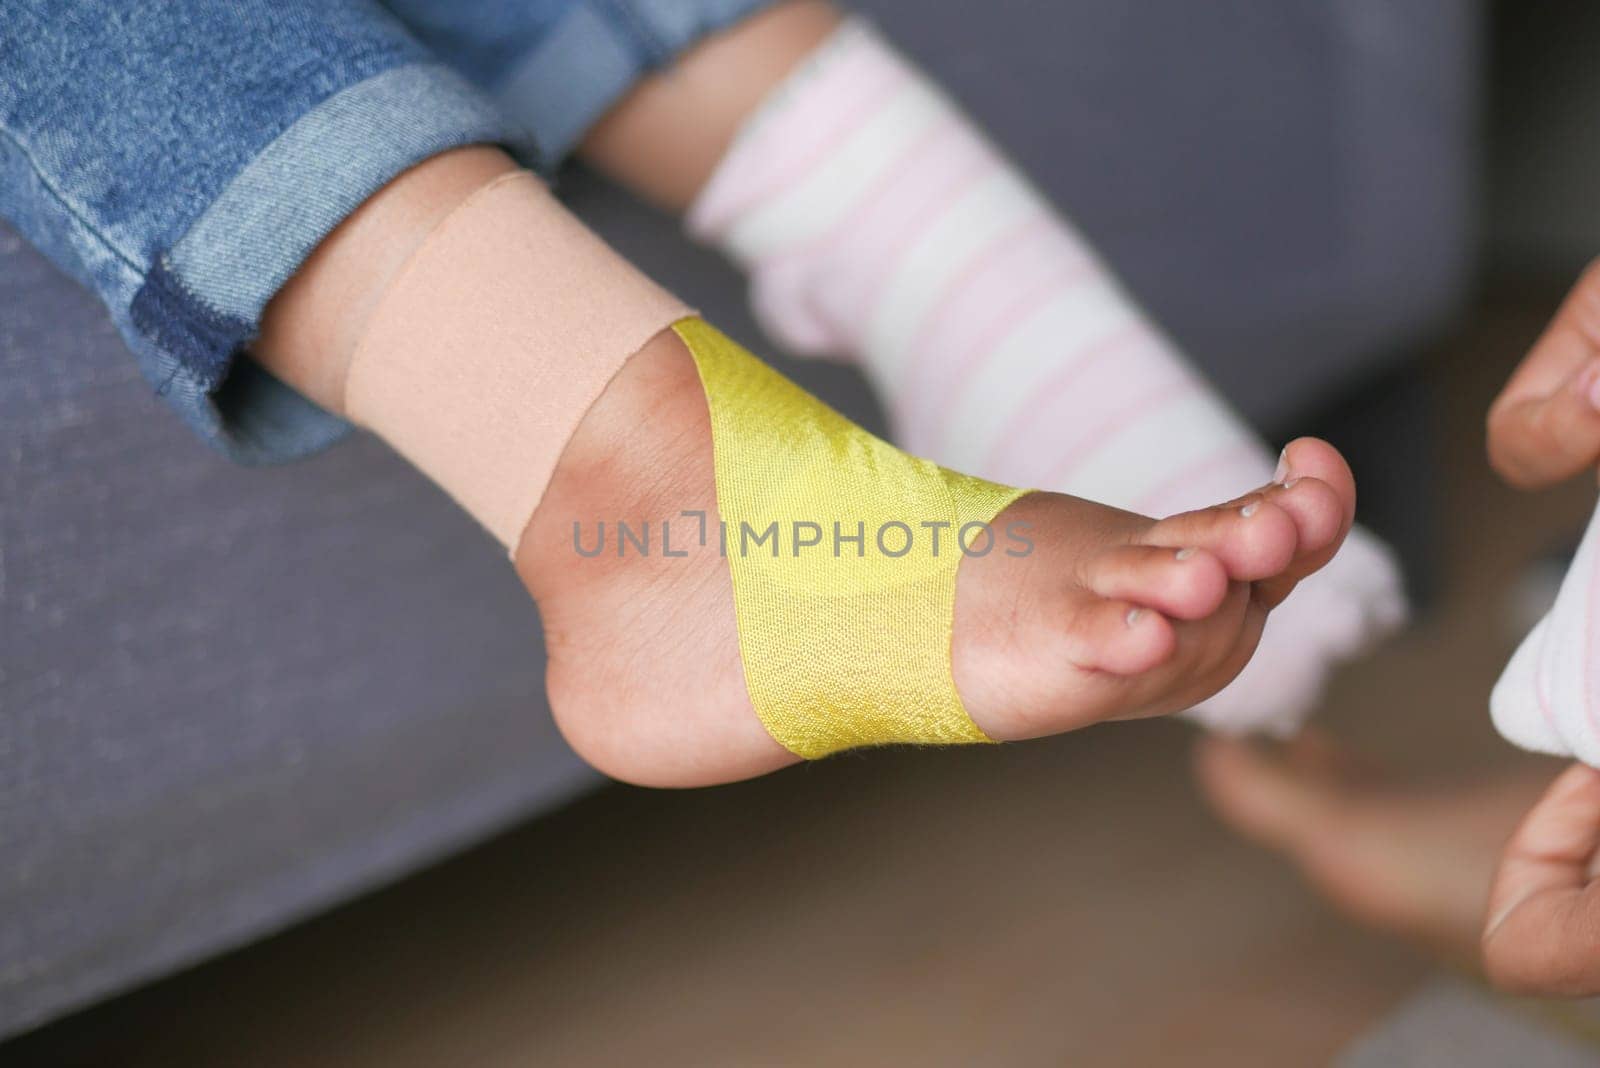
column 1326, row 518
column 1315, row 488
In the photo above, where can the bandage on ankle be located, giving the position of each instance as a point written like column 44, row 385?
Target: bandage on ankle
column 878, row 225
column 843, row 587
column 1546, row 699
column 494, row 340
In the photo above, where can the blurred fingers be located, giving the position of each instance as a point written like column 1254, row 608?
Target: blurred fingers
column 1543, row 929
column 1545, row 425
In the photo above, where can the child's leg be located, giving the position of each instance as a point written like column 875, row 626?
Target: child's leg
column 877, row 224
column 464, row 322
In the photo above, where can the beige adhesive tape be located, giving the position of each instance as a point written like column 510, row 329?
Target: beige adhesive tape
column 497, row 336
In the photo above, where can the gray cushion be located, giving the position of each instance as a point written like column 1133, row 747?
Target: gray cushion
column 227, row 696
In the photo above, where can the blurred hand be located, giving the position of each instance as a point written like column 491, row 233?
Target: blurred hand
column 1543, row 929
column 1545, row 424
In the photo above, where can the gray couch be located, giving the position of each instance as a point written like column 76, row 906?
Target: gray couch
column 231, row 698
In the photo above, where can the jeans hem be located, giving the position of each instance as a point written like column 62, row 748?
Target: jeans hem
column 202, row 301
column 595, row 54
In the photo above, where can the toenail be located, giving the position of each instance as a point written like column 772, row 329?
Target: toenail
column 1283, row 466
column 1291, row 484
column 1184, row 554
column 1250, row 509
column 1134, row 615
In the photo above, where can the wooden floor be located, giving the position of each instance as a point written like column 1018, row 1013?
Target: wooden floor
column 1059, row 902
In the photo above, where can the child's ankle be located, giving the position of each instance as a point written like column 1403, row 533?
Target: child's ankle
column 312, row 327
column 641, row 453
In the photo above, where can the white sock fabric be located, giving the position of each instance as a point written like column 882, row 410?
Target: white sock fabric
column 878, row 225
column 1546, row 698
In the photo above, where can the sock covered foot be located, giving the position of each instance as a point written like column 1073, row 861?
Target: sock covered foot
column 877, row 225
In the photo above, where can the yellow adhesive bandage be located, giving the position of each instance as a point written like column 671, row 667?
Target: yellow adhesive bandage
column 845, row 638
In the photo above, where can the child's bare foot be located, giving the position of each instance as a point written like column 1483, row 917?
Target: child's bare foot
column 1413, row 861
column 1109, row 615
column 1112, row 615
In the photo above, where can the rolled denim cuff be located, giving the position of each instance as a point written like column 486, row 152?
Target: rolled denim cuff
column 202, row 301
column 597, row 51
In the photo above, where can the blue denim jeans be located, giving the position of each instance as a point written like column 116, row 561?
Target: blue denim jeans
column 182, row 158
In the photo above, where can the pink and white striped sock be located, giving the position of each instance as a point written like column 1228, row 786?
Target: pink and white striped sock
column 1546, row 699
column 878, row 225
